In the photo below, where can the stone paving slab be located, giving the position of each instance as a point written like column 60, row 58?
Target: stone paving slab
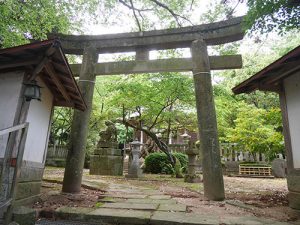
column 131, row 205
column 151, row 192
column 142, row 217
column 138, row 196
column 144, row 188
column 97, row 185
column 63, row 222
column 149, row 201
column 160, row 196
column 110, row 199
column 127, row 191
column 74, row 213
column 172, row 208
column 251, row 220
column 136, row 206
column 119, row 216
column 176, row 218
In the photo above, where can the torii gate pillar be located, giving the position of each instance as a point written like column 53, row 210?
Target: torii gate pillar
column 79, row 129
column 207, row 123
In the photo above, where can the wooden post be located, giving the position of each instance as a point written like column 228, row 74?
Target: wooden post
column 17, row 170
column 79, row 129
column 207, row 123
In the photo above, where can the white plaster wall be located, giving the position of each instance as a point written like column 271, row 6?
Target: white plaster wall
column 39, row 116
column 292, row 92
column 10, row 87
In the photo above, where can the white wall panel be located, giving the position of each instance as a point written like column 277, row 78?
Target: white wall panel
column 10, row 87
column 292, row 92
column 38, row 117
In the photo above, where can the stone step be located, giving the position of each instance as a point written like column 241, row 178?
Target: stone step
column 135, row 206
column 62, row 222
column 110, row 216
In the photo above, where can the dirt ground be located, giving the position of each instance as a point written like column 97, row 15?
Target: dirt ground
column 251, row 196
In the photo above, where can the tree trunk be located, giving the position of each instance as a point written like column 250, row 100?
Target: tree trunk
column 207, row 123
column 79, row 129
column 160, row 144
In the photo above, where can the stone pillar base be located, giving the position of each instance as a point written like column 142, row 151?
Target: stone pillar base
column 294, row 199
column 133, row 175
column 293, row 181
column 24, row 215
column 192, row 179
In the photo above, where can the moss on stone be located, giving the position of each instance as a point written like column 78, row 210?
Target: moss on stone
column 99, row 204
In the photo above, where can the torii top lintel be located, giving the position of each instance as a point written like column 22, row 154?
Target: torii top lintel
column 213, row 34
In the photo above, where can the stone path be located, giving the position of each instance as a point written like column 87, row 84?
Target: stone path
column 127, row 204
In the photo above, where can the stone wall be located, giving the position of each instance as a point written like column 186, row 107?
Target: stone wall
column 28, row 188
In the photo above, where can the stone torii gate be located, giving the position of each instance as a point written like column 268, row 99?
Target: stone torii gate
column 196, row 38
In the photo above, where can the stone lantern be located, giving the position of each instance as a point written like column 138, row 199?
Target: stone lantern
column 191, row 176
column 134, row 168
column 186, row 138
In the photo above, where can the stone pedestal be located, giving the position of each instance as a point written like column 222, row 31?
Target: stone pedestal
column 134, row 170
column 107, row 160
column 191, row 176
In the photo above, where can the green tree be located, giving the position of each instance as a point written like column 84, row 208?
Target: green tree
column 226, row 108
column 24, row 20
column 153, row 102
column 156, row 99
column 256, row 130
column 61, row 125
column 270, row 15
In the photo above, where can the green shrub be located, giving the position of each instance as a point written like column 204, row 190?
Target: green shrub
column 159, row 163
column 183, row 159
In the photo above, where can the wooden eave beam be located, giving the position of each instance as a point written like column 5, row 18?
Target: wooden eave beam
column 272, row 88
column 62, row 103
column 75, row 97
column 51, row 71
column 213, row 34
column 53, row 88
column 39, row 67
column 19, row 63
column 286, row 70
column 270, row 80
column 160, row 65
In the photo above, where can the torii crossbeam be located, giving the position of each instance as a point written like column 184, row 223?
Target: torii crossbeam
column 196, row 38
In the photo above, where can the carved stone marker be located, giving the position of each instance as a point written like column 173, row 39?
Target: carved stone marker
column 107, row 158
column 279, row 168
column 134, row 170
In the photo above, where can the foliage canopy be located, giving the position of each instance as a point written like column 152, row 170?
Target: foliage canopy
column 270, row 15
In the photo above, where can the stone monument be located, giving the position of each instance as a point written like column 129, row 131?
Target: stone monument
column 107, row 158
column 279, row 168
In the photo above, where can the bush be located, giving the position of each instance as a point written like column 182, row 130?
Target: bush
column 159, row 163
